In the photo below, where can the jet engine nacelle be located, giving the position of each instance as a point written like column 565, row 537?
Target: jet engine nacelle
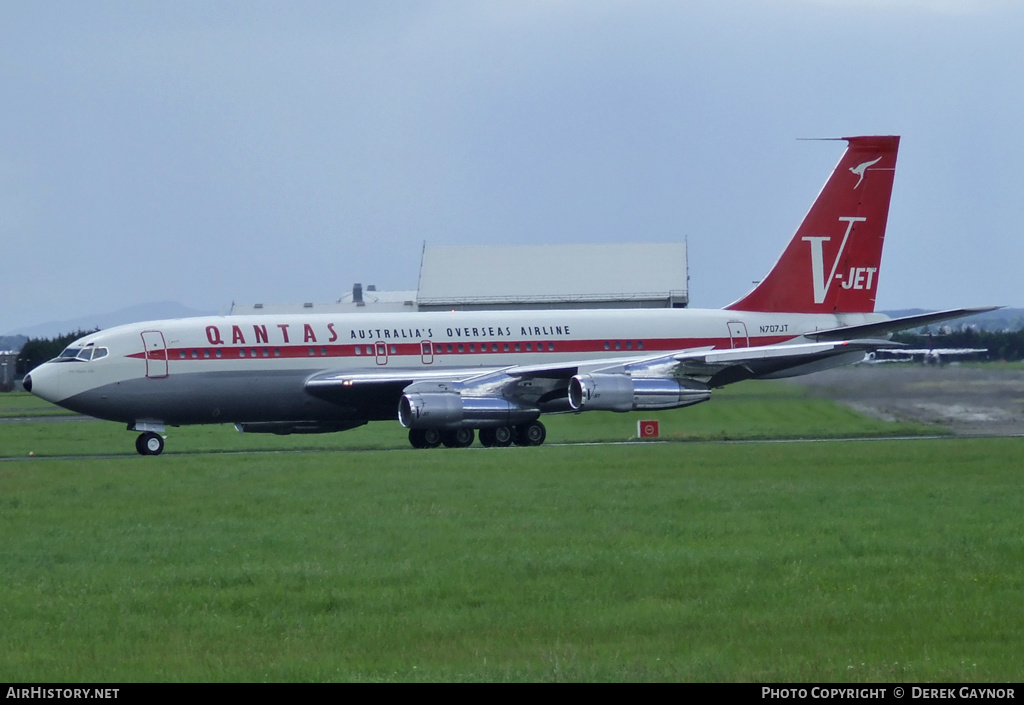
column 620, row 392
column 451, row 410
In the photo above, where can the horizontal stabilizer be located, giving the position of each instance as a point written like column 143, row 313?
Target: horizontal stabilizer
column 894, row 325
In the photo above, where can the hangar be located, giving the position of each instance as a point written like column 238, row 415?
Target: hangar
column 553, row 276
column 523, row 277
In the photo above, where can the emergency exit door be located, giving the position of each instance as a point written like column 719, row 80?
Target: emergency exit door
column 738, row 334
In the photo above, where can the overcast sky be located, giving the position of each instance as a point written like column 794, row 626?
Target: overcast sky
column 210, row 152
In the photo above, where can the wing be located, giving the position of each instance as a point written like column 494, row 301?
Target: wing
column 501, row 396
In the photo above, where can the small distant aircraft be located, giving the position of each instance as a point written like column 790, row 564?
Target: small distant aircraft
column 935, row 356
column 449, row 376
column 929, row 356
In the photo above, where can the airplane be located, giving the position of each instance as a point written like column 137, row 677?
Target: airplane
column 931, row 355
column 450, row 376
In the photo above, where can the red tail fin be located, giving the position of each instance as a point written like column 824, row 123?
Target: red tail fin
column 831, row 264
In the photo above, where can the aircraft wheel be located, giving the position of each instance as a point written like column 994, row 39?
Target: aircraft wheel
column 432, row 436
column 502, row 436
column 487, row 437
column 417, row 438
column 424, row 437
column 530, row 434
column 149, row 444
column 459, row 438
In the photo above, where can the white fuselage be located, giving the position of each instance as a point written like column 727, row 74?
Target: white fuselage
column 228, row 363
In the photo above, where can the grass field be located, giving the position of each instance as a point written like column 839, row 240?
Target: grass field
column 846, row 561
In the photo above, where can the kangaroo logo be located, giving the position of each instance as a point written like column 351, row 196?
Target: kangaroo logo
column 822, row 283
column 861, row 168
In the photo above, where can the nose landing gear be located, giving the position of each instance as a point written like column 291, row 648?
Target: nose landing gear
column 149, row 443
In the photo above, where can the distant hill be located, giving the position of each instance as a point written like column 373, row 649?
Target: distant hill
column 12, row 342
column 132, row 314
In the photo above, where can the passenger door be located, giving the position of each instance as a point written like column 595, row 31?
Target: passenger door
column 156, row 354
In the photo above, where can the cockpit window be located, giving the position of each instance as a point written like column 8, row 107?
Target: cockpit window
column 85, row 354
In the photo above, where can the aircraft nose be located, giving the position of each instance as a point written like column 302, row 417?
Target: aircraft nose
column 44, row 382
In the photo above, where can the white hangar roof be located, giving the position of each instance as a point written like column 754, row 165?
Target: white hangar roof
column 554, row 275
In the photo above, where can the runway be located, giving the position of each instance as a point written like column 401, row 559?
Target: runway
column 969, row 401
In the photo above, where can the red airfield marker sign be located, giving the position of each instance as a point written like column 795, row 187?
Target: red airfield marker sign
column 647, row 429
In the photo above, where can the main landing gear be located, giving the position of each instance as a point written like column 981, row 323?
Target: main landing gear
column 527, row 434
column 432, row 438
column 149, row 443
